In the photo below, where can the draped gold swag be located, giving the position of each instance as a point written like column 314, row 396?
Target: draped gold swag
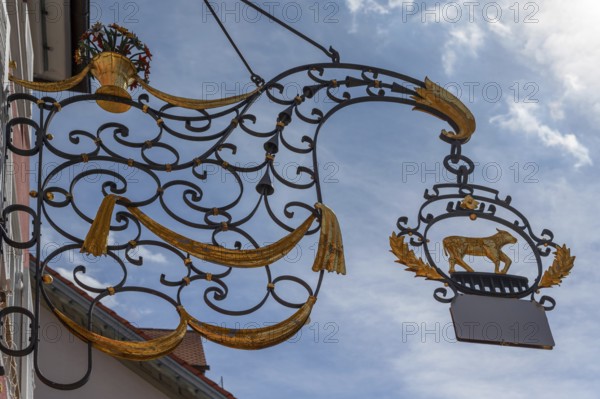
column 329, row 257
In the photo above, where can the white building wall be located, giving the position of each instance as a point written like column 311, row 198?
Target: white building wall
column 15, row 45
column 65, row 360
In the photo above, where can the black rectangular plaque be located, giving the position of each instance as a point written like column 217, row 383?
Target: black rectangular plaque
column 501, row 321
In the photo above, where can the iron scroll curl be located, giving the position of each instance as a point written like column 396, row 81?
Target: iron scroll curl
column 466, row 200
column 90, row 153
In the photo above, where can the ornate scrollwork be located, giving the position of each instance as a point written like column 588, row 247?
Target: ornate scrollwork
column 475, row 202
column 163, row 178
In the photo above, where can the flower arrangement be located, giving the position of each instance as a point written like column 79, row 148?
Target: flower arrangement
column 115, row 38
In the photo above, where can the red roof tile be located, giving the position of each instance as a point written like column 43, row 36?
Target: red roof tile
column 189, row 350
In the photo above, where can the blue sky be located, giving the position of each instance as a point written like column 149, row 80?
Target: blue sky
column 527, row 72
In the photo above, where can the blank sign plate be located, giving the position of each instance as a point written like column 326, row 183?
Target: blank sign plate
column 501, row 321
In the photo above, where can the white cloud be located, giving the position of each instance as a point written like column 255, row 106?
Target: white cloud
column 463, row 40
column 565, row 41
column 90, row 281
column 375, row 6
column 142, row 251
column 148, row 255
column 500, row 29
column 556, row 110
column 132, row 312
column 522, row 118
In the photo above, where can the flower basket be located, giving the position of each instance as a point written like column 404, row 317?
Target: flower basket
column 113, row 71
column 116, row 56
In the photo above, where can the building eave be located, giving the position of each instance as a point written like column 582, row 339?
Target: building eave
column 171, row 375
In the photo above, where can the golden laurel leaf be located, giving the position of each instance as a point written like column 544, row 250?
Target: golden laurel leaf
column 408, row 258
column 560, row 268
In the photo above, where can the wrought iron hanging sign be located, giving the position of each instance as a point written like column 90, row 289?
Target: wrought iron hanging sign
column 485, row 306
column 171, row 213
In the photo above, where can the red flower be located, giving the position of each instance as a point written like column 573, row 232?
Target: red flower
column 118, row 39
column 99, row 41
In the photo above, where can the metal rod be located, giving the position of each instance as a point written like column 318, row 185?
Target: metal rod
column 331, row 53
column 253, row 76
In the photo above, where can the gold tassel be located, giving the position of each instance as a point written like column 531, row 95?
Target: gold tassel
column 330, row 254
column 96, row 241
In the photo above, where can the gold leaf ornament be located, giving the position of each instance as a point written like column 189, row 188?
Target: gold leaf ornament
column 560, row 268
column 469, row 203
column 408, row 258
column 436, row 97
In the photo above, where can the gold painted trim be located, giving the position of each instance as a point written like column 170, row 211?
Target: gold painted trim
column 469, row 203
column 249, row 339
column 110, row 65
column 191, row 103
column 560, row 268
column 245, row 258
column 96, row 240
column 256, row 338
column 52, row 86
column 408, row 258
column 136, row 350
column 440, row 99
